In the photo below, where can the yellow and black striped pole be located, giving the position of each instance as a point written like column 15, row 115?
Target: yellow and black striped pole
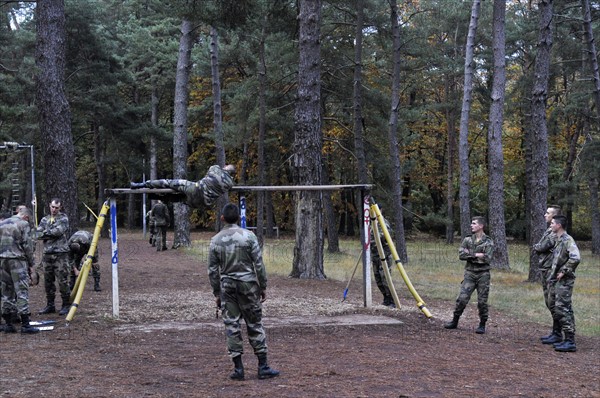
column 386, row 270
column 388, row 238
column 77, row 291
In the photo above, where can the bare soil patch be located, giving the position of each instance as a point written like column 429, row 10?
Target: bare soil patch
column 168, row 343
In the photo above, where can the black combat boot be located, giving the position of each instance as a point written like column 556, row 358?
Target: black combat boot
column 264, row 371
column 137, row 185
column 66, row 306
column 555, row 336
column 238, row 369
column 568, row 345
column 388, row 301
column 49, row 308
column 97, row 284
column 26, row 328
column 481, row 328
column 453, row 324
column 9, row 327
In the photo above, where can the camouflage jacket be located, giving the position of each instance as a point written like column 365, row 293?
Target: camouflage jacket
column 52, row 230
column 160, row 214
column 84, row 238
column 566, row 257
column 470, row 246
column 15, row 239
column 544, row 249
column 235, row 253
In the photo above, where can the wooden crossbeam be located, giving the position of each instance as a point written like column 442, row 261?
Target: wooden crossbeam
column 241, row 188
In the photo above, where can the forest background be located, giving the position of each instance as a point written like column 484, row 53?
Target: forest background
column 241, row 104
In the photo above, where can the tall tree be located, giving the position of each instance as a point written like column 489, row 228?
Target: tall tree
column 53, row 108
column 592, row 150
column 217, row 113
column 537, row 144
column 357, row 102
column 497, row 226
column 180, row 137
column 463, row 135
column 308, row 249
column 394, row 152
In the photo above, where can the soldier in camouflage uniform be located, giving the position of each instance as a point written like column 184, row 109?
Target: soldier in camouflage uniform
column 239, row 282
column 378, row 271
column 3, row 216
column 79, row 245
column 201, row 193
column 151, row 228
column 52, row 231
column 477, row 251
column 561, row 279
column 544, row 249
column 162, row 219
column 16, row 264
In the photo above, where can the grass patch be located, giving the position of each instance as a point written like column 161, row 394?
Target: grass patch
column 436, row 272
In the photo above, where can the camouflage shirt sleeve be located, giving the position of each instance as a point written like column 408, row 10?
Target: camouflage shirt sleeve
column 464, row 251
column 546, row 243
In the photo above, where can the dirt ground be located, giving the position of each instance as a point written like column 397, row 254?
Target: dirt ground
column 167, row 343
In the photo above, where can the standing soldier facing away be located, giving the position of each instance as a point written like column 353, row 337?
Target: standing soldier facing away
column 239, row 282
column 55, row 261
column 561, row 280
column 16, row 265
column 162, row 219
column 79, row 245
column 544, row 249
column 477, row 251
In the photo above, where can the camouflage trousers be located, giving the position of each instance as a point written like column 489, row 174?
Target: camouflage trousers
column 160, row 237
column 548, row 291
column 561, row 295
column 15, row 286
column 95, row 271
column 474, row 280
column 56, row 269
column 241, row 300
column 379, row 273
column 193, row 191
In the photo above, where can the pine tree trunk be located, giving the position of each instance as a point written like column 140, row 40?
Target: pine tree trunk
column 592, row 179
column 463, row 135
column 154, row 120
column 592, row 53
column 262, row 126
column 217, row 115
column 495, row 156
column 308, row 249
column 359, row 141
column 451, row 149
column 396, row 172
column 180, row 153
column 54, row 112
column 538, row 136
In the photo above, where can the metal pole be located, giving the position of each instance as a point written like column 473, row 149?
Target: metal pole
column 366, row 240
column 114, row 257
